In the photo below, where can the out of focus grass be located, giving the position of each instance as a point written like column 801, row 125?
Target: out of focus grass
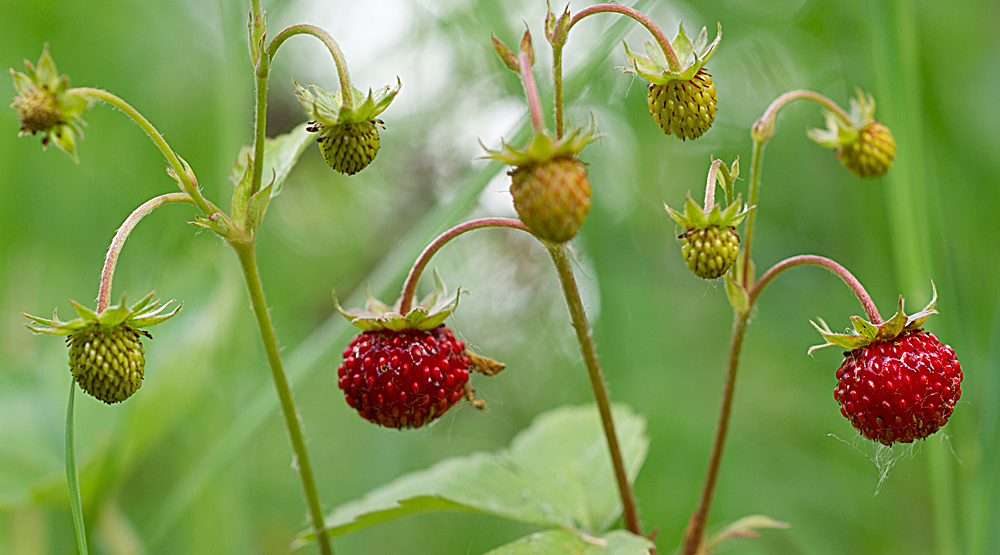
column 661, row 333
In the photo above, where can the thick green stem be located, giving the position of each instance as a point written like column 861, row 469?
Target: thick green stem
column 696, row 527
column 410, row 285
column 589, row 352
column 755, row 164
column 187, row 185
column 72, row 476
column 661, row 39
column 111, row 259
column 248, row 261
column 261, row 74
column 338, row 57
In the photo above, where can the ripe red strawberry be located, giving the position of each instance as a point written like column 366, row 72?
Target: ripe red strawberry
column 899, row 390
column 404, row 371
column 897, row 382
column 404, row 379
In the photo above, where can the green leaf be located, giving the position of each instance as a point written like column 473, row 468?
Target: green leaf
column 280, row 155
column 258, row 206
column 563, row 542
column 557, row 473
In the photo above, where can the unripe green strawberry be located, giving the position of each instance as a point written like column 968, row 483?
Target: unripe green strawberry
column 710, row 252
column 549, row 184
column 349, row 147
column 684, row 108
column 871, row 154
column 106, row 356
column 107, row 362
column 348, row 133
column 863, row 145
column 681, row 94
column 710, row 243
column 552, row 197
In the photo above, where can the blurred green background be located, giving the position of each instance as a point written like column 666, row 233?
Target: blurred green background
column 199, row 461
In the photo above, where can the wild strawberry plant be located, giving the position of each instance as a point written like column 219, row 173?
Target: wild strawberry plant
column 571, row 473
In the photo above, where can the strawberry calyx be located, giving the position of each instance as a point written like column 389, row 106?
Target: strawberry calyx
column 691, row 55
column 142, row 314
column 866, row 333
column 328, row 110
column 696, row 218
column 429, row 313
column 544, row 147
column 839, row 133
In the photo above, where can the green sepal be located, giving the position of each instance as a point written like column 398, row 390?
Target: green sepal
column 694, row 216
column 506, row 55
column 838, row 132
column 739, row 299
column 556, row 29
column 545, row 147
column 258, row 206
column 143, row 314
column 329, row 110
column 866, row 333
column 430, row 313
column 745, row 527
column 691, row 56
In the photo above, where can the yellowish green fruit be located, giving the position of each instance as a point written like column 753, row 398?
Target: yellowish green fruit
column 709, row 253
column 552, row 197
column 871, row 154
column 107, row 363
column 350, row 147
column 685, row 109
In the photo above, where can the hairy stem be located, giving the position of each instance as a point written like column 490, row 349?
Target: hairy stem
column 696, row 527
column 661, row 39
column 187, row 185
column 586, row 339
column 840, row 271
column 111, row 259
column 248, row 261
column 343, row 75
column 713, row 176
column 531, row 92
column 72, row 476
column 410, row 285
column 261, row 74
column 763, row 128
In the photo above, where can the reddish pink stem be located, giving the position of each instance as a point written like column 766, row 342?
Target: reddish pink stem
column 410, row 286
column 531, row 92
column 661, row 39
column 840, row 271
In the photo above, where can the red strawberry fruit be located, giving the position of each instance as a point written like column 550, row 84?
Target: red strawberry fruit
column 404, row 379
column 897, row 383
column 406, row 370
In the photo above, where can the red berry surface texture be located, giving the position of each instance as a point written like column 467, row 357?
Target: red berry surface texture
column 404, row 379
column 899, row 390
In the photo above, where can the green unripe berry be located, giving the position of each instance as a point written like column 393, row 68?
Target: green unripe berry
column 107, row 363
column 709, row 253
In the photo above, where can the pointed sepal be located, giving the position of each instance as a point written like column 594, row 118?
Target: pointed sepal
column 691, row 56
column 142, row 314
column 430, row 313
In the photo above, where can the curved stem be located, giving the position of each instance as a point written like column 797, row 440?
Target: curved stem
column 248, row 261
column 763, row 128
column 661, row 39
column 531, row 92
column 347, row 98
column 840, row 271
column 187, row 185
column 111, row 259
column 589, row 352
column 410, row 285
column 72, row 476
column 696, row 527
